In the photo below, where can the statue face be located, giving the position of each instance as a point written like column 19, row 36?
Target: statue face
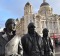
column 11, row 26
column 45, row 34
column 31, row 30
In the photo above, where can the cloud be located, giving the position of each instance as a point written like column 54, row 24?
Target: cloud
column 15, row 8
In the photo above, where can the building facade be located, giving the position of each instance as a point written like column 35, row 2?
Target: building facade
column 44, row 18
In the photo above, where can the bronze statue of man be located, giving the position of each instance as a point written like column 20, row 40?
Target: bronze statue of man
column 31, row 42
column 47, row 43
column 10, row 43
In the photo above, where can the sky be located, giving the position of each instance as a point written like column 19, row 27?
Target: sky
column 15, row 8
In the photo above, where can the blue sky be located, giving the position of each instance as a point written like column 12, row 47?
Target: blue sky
column 15, row 8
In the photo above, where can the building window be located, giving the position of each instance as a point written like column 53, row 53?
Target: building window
column 50, row 25
column 37, row 23
column 59, row 24
column 59, row 19
column 42, row 24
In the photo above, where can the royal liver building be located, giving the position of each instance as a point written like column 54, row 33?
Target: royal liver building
column 44, row 18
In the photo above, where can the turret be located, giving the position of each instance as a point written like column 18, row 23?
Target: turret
column 28, row 9
column 45, row 9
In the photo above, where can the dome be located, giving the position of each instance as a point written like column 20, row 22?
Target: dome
column 43, row 4
column 27, row 4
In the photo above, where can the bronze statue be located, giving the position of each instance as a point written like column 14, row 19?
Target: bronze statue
column 31, row 42
column 10, row 43
column 47, row 44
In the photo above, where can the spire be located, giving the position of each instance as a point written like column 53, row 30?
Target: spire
column 44, row 1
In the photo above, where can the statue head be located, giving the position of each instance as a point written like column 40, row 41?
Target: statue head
column 10, row 24
column 31, row 28
column 45, row 32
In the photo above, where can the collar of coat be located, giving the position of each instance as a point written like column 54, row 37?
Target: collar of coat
column 5, row 36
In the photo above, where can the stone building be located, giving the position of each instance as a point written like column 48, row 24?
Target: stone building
column 44, row 18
